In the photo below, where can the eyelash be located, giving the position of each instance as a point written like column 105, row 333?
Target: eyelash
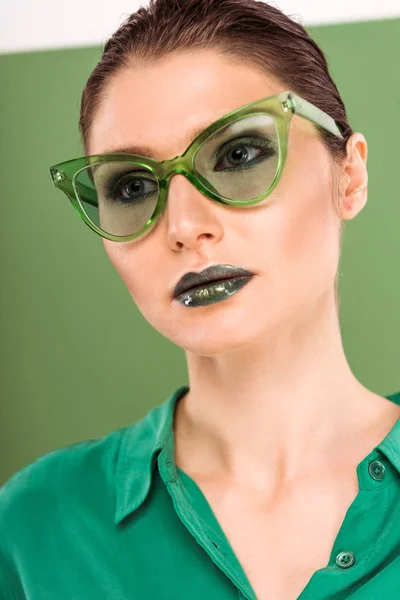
column 263, row 144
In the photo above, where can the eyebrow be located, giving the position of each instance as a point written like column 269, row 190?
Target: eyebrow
column 149, row 152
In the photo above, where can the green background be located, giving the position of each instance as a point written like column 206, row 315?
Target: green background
column 77, row 358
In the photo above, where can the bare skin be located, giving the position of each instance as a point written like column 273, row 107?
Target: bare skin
column 287, row 532
column 274, row 420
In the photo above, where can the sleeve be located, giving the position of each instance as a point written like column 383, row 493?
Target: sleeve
column 10, row 585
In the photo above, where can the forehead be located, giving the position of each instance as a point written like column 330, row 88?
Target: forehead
column 159, row 104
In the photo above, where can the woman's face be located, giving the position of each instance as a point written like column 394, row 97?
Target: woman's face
column 290, row 241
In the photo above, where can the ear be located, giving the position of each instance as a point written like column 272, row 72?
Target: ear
column 355, row 173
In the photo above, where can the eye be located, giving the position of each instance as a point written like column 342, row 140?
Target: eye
column 130, row 188
column 244, row 154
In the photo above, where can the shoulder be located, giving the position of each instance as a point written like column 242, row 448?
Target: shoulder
column 46, row 493
column 84, row 473
column 55, row 479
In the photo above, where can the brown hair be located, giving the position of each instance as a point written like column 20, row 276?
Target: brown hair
column 248, row 30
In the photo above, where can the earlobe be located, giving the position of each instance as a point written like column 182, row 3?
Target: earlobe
column 353, row 203
column 355, row 194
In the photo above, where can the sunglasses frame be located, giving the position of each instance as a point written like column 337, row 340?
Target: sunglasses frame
column 281, row 107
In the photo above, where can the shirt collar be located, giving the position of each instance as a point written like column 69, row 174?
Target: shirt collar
column 143, row 440
column 390, row 445
column 140, row 445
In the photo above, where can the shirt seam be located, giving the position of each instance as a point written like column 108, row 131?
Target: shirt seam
column 380, row 531
column 208, row 528
column 382, row 486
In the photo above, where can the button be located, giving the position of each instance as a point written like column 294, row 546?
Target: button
column 376, row 470
column 344, row 560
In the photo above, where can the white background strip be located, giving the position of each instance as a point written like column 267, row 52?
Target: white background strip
column 42, row 24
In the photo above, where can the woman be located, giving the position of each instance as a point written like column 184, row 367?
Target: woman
column 275, row 474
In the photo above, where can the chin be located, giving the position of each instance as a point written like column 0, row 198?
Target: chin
column 213, row 338
column 214, row 329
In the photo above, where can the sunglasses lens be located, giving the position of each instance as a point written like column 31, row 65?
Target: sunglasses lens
column 119, row 197
column 240, row 161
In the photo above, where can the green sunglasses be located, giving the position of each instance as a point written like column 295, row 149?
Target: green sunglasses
column 237, row 160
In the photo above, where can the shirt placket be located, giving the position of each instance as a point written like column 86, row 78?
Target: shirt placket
column 211, row 541
column 359, row 533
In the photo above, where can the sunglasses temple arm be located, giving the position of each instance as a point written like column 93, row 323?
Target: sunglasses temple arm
column 312, row 113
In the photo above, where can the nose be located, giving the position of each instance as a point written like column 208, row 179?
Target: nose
column 190, row 216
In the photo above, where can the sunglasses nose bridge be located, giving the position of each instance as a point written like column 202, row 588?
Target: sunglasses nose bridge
column 179, row 165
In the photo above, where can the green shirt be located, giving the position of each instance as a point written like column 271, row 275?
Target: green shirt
column 116, row 519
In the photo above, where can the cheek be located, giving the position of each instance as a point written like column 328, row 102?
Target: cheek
column 299, row 239
column 139, row 269
column 127, row 263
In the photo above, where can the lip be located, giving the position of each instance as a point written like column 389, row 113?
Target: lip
column 208, row 275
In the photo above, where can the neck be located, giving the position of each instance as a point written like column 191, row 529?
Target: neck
column 281, row 406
